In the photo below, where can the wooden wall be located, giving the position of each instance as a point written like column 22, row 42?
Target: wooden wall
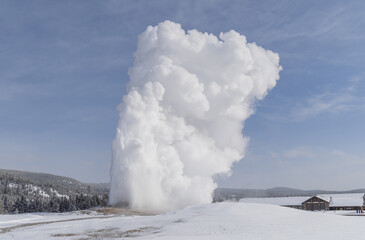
column 316, row 204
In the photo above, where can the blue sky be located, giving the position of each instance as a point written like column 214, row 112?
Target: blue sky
column 63, row 71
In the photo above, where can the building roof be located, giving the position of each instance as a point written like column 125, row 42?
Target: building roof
column 324, row 198
column 343, row 200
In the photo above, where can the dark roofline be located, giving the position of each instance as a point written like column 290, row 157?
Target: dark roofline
column 316, row 197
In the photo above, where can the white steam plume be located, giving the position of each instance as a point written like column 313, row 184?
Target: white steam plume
column 181, row 121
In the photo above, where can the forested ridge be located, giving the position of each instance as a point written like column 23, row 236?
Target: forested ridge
column 22, row 192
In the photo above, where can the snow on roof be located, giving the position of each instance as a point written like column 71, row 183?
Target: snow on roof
column 338, row 200
column 342, row 200
column 324, row 198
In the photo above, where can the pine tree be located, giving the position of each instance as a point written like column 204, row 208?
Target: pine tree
column 16, row 206
column 54, row 205
column 2, row 205
column 6, row 204
column 23, row 204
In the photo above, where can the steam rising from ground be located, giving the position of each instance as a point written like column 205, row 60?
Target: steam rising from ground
column 181, row 121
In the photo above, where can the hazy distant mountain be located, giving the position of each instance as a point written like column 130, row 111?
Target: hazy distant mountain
column 221, row 194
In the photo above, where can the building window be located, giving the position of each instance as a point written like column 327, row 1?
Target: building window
column 309, row 207
column 315, row 207
column 323, row 206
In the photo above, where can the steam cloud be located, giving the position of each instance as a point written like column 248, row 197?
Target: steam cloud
column 181, row 121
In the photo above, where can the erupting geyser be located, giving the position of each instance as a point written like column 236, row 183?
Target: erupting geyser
column 181, row 121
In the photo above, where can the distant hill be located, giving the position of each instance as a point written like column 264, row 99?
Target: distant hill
column 64, row 185
column 22, row 191
column 41, row 192
column 222, row 194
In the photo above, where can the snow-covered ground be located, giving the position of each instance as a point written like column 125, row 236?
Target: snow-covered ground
column 280, row 201
column 229, row 220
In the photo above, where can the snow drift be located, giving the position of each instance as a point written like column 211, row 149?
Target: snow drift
column 181, row 121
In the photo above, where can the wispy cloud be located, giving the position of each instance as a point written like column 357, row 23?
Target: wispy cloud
column 331, row 102
column 336, row 22
column 298, row 153
column 321, row 157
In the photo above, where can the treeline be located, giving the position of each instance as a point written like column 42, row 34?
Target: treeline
column 22, row 196
column 24, row 204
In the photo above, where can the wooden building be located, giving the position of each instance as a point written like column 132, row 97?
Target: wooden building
column 316, row 203
column 333, row 202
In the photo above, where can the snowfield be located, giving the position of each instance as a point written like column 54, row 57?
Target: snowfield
column 228, row 220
